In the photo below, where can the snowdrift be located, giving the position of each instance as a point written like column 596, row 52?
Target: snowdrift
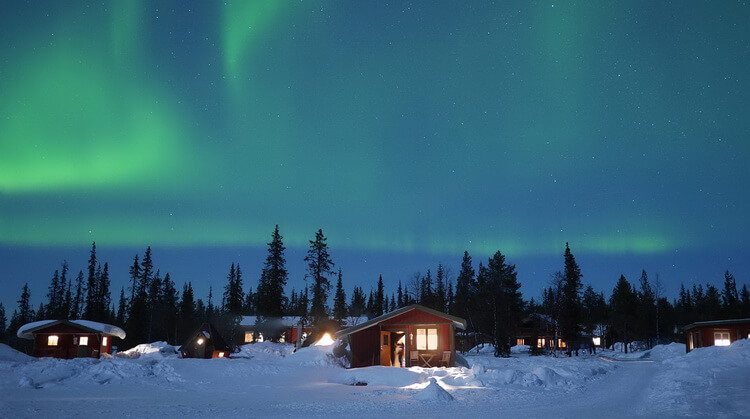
column 433, row 392
column 265, row 351
column 381, row 376
column 153, row 350
column 8, row 354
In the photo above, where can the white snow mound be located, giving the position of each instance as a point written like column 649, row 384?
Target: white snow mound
column 23, row 331
column 9, row 354
column 433, row 392
column 380, row 376
column 156, row 350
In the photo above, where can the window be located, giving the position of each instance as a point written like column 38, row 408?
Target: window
column 561, row 344
column 221, row 355
column 597, row 341
column 105, row 340
column 540, row 343
column 721, row 339
column 519, row 341
column 248, row 337
column 83, row 341
column 427, row 339
column 52, row 340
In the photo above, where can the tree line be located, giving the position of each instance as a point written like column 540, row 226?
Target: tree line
column 488, row 297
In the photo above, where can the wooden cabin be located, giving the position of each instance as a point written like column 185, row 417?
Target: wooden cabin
column 66, row 339
column 205, row 343
column 289, row 329
column 716, row 333
column 410, row 336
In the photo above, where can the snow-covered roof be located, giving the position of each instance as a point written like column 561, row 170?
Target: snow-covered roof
column 27, row 331
column 288, row 321
column 458, row 322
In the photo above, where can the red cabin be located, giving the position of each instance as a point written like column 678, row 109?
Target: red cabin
column 66, row 339
column 716, row 333
column 410, row 336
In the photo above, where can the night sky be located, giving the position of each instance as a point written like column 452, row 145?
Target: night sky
column 408, row 131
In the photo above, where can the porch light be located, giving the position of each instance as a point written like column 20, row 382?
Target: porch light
column 325, row 340
column 221, row 354
column 200, row 341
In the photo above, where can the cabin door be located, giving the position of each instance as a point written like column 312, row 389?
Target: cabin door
column 385, row 349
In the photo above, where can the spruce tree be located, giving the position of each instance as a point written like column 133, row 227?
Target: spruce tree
column 188, row 315
column 273, row 278
column 104, row 297
column 507, row 303
column 646, row 315
column 169, row 306
column 92, row 287
column 24, row 313
column 623, row 303
column 319, row 267
column 52, row 302
column 730, row 297
column 440, row 293
column 122, row 309
column 426, row 294
column 3, row 323
column 464, row 285
column 76, row 310
column 400, row 296
column 340, row 310
column 358, row 305
column 449, row 298
column 378, row 305
column 571, row 313
column 135, row 278
column 744, row 302
column 234, row 298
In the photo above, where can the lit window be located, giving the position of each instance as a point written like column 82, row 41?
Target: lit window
column 519, row 341
column 221, row 354
column 105, row 340
column 561, row 344
column 597, row 341
column 248, row 337
column 427, row 339
column 83, row 341
column 540, row 343
column 200, row 341
column 260, row 337
column 52, row 340
column 721, row 339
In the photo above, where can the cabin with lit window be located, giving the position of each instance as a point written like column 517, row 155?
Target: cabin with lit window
column 253, row 329
column 205, row 343
column 66, row 339
column 410, row 336
column 716, row 333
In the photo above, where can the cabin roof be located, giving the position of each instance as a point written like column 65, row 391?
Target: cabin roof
column 457, row 321
column 716, row 323
column 27, row 331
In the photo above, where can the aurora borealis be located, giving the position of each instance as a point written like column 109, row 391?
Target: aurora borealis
column 409, row 128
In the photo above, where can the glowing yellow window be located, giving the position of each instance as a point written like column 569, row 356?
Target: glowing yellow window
column 105, row 340
column 427, row 339
column 519, row 341
column 83, row 341
column 540, row 343
column 52, row 340
column 597, row 341
column 221, row 355
column 248, row 337
column 721, row 339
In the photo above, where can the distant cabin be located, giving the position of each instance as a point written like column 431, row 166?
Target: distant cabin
column 716, row 333
column 66, row 339
column 287, row 329
column 206, row 343
column 410, row 336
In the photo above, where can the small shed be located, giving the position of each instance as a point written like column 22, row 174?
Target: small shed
column 66, row 339
column 410, row 336
column 284, row 329
column 716, row 333
column 205, row 343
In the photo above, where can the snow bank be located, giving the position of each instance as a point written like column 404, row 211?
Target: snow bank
column 537, row 371
column 8, row 354
column 157, row 350
column 380, row 376
column 313, row 356
column 712, row 382
column 265, row 351
column 433, row 392
column 51, row 372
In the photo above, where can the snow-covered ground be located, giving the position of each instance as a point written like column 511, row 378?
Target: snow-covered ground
column 270, row 380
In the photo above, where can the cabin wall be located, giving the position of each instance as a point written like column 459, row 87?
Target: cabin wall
column 365, row 347
column 705, row 334
column 65, row 348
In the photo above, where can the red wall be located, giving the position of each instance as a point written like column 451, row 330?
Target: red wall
column 736, row 331
column 65, row 348
column 416, row 317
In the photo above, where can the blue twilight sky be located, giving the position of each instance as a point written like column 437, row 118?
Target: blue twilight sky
column 408, row 131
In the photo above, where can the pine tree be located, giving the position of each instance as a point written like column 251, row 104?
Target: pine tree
column 358, row 305
column 122, row 309
column 92, row 288
column 234, row 297
column 440, row 293
column 393, row 306
column 319, row 268
column 623, row 303
column 188, row 314
column 378, row 305
column 426, row 295
column 507, row 304
column 52, row 302
column 370, row 310
column 135, row 278
column 571, row 313
column 730, row 297
column 340, row 310
column 24, row 313
column 400, row 296
column 169, row 305
column 273, row 278
column 104, row 298
column 250, row 302
column 76, row 310
column 646, row 314
column 210, row 310
column 464, row 285
column 712, row 303
column 744, row 302
column 3, row 323
column 449, row 298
